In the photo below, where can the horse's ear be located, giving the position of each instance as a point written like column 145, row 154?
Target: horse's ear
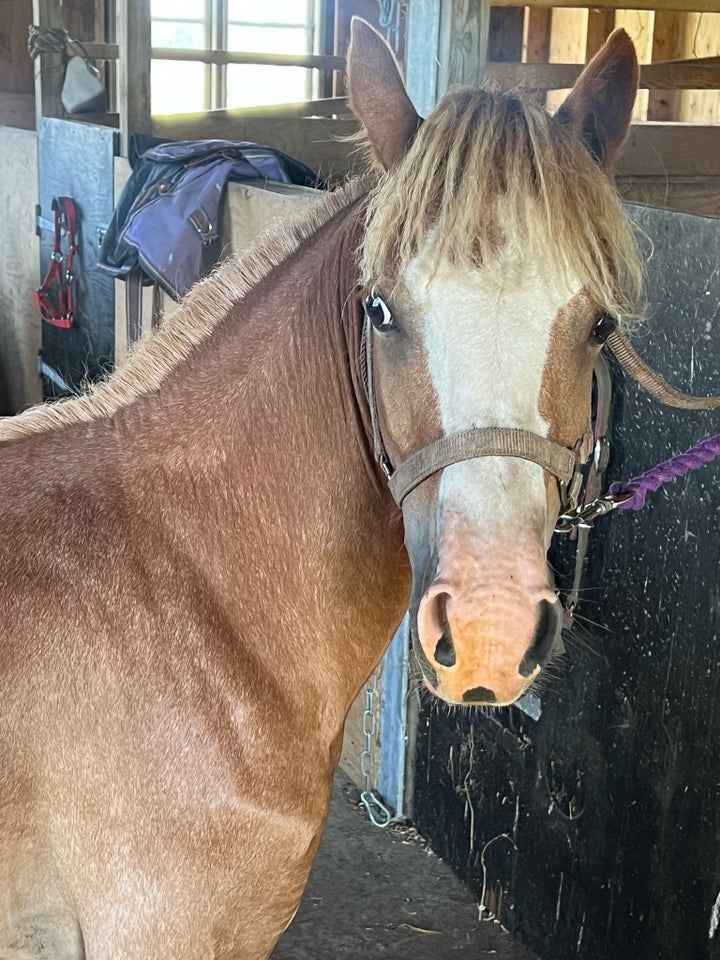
column 600, row 104
column 377, row 95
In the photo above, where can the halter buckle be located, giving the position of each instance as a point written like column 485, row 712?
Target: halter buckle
column 385, row 466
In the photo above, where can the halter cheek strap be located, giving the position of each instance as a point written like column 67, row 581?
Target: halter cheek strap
column 562, row 462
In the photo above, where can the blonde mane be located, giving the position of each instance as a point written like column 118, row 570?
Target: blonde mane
column 207, row 304
column 491, row 171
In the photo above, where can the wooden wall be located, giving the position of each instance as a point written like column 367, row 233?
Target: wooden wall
column 17, row 83
column 673, row 157
column 20, row 274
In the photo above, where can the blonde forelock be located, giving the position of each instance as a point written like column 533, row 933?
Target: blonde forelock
column 488, row 171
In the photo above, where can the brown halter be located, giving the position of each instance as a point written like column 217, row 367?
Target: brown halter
column 562, row 462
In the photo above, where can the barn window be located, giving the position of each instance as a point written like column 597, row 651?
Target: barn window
column 269, row 28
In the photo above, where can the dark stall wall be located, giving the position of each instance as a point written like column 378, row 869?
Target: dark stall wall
column 595, row 831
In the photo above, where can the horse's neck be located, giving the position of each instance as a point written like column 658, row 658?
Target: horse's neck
column 260, row 444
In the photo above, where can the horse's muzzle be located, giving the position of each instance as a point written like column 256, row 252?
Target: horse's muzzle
column 482, row 662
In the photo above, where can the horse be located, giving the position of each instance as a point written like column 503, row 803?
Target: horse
column 204, row 557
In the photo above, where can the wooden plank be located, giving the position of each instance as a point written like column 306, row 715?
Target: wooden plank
column 707, row 6
column 505, row 36
column 669, row 27
column 327, row 107
column 223, row 57
column 567, row 45
column 464, row 30
column 16, row 69
column 697, row 195
column 639, row 26
column 422, row 54
column 315, row 141
column 101, row 51
column 20, row 275
column 653, row 149
column 700, row 37
column 676, row 75
column 536, row 46
column 601, row 24
column 671, row 149
column 17, row 110
column 133, row 69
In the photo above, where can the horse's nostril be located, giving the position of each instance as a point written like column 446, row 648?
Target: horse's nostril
column 547, row 632
column 445, row 649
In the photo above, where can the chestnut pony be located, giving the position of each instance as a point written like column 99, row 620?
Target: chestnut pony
column 202, row 560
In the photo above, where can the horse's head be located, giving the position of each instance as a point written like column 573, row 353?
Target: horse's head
column 494, row 264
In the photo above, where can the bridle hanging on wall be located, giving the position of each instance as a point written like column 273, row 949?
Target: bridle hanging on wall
column 55, row 298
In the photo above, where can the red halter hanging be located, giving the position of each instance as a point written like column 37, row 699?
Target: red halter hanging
column 55, row 298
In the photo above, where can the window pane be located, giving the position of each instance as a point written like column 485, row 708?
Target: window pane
column 251, row 86
column 268, row 11
column 178, row 9
column 177, row 87
column 189, row 36
column 267, row 40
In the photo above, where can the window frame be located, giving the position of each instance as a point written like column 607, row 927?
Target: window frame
column 216, row 22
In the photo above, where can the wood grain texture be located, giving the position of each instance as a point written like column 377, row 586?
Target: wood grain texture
column 133, row 69
column 464, row 31
column 315, row 141
column 16, row 69
column 678, row 75
column 708, row 6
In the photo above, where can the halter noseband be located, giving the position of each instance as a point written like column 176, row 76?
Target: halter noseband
column 562, row 462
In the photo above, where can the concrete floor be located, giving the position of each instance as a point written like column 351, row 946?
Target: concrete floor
column 382, row 893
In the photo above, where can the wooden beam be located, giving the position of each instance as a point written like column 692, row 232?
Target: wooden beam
column 100, row 51
column 699, row 36
column 422, row 54
column 705, row 6
column 16, row 67
column 315, row 141
column 505, row 37
column 464, row 32
column 222, row 57
column 133, row 69
column 567, row 45
column 327, row 107
column 697, row 195
column 667, row 45
column 674, row 75
column 600, row 25
column 49, row 73
column 671, row 149
column 538, row 24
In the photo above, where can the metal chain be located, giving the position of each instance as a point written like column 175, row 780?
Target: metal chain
column 378, row 813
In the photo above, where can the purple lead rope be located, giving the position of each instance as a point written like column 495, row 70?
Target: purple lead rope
column 663, row 473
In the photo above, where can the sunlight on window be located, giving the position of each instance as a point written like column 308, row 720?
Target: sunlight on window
column 250, row 86
column 269, row 11
column 177, row 87
column 178, row 9
column 272, row 26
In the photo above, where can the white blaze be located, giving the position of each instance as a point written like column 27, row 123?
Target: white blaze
column 487, row 336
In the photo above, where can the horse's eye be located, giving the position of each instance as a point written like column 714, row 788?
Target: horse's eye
column 378, row 312
column 604, row 326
